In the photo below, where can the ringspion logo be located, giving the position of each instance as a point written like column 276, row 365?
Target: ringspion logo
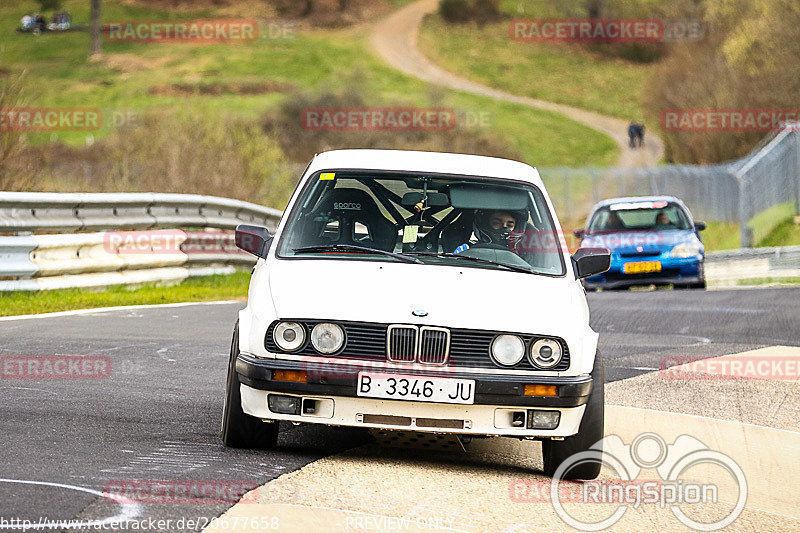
column 671, row 489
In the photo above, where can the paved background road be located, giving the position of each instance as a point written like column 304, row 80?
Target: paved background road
column 157, row 416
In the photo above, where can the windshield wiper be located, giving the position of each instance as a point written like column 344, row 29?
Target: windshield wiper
column 515, row 268
column 353, row 248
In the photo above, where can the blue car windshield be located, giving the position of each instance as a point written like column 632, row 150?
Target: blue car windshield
column 639, row 216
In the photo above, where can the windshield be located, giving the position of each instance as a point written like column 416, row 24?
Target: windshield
column 423, row 219
column 637, row 216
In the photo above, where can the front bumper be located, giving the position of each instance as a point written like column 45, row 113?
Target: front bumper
column 497, row 398
column 676, row 271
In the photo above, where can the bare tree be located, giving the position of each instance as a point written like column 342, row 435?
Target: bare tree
column 49, row 5
column 96, row 46
column 11, row 142
column 594, row 8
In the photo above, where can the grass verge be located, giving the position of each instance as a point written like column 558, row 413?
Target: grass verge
column 562, row 73
column 775, row 226
column 787, row 233
column 766, row 225
column 777, row 282
column 720, row 236
column 200, row 289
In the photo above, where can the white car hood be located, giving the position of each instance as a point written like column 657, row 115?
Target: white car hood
column 385, row 292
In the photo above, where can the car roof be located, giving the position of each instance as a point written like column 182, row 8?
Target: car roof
column 629, row 199
column 433, row 162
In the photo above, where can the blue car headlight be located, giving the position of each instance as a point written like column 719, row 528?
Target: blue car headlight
column 692, row 248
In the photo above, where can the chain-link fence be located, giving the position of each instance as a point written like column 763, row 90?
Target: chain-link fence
column 735, row 192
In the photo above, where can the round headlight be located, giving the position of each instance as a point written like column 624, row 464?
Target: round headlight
column 546, row 353
column 508, row 350
column 327, row 338
column 289, row 336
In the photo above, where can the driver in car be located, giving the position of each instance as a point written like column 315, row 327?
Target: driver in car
column 662, row 219
column 492, row 227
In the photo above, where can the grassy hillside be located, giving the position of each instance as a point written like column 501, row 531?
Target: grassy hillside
column 562, row 73
column 224, row 91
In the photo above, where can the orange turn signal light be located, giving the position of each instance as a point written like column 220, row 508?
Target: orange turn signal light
column 297, row 376
column 541, row 390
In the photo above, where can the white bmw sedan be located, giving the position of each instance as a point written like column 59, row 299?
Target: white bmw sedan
column 422, row 292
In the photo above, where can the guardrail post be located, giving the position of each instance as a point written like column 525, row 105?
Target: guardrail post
column 745, row 232
column 797, row 169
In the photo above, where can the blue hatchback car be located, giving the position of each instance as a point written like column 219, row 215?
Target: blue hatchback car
column 653, row 241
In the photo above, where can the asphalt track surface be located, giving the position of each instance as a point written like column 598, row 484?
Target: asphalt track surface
column 157, row 416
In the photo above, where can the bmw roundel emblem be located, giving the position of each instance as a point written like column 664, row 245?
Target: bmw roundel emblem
column 639, row 249
column 419, row 312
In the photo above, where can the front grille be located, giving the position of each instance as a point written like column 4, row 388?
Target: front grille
column 368, row 341
column 434, row 345
column 449, row 423
column 387, row 420
column 402, row 345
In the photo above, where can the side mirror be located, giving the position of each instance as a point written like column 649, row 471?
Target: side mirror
column 579, row 233
column 253, row 239
column 699, row 226
column 591, row 261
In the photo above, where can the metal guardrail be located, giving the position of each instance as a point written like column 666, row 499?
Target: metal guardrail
column 729, row 267
column 115, row 257
column 62, row 254
column 40, row 212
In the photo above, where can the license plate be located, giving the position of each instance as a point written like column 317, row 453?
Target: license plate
column 416, row 388
column 642, row 267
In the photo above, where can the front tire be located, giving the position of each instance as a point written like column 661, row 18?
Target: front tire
column 590, row 431
column 240, row 430
column 699, row 285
